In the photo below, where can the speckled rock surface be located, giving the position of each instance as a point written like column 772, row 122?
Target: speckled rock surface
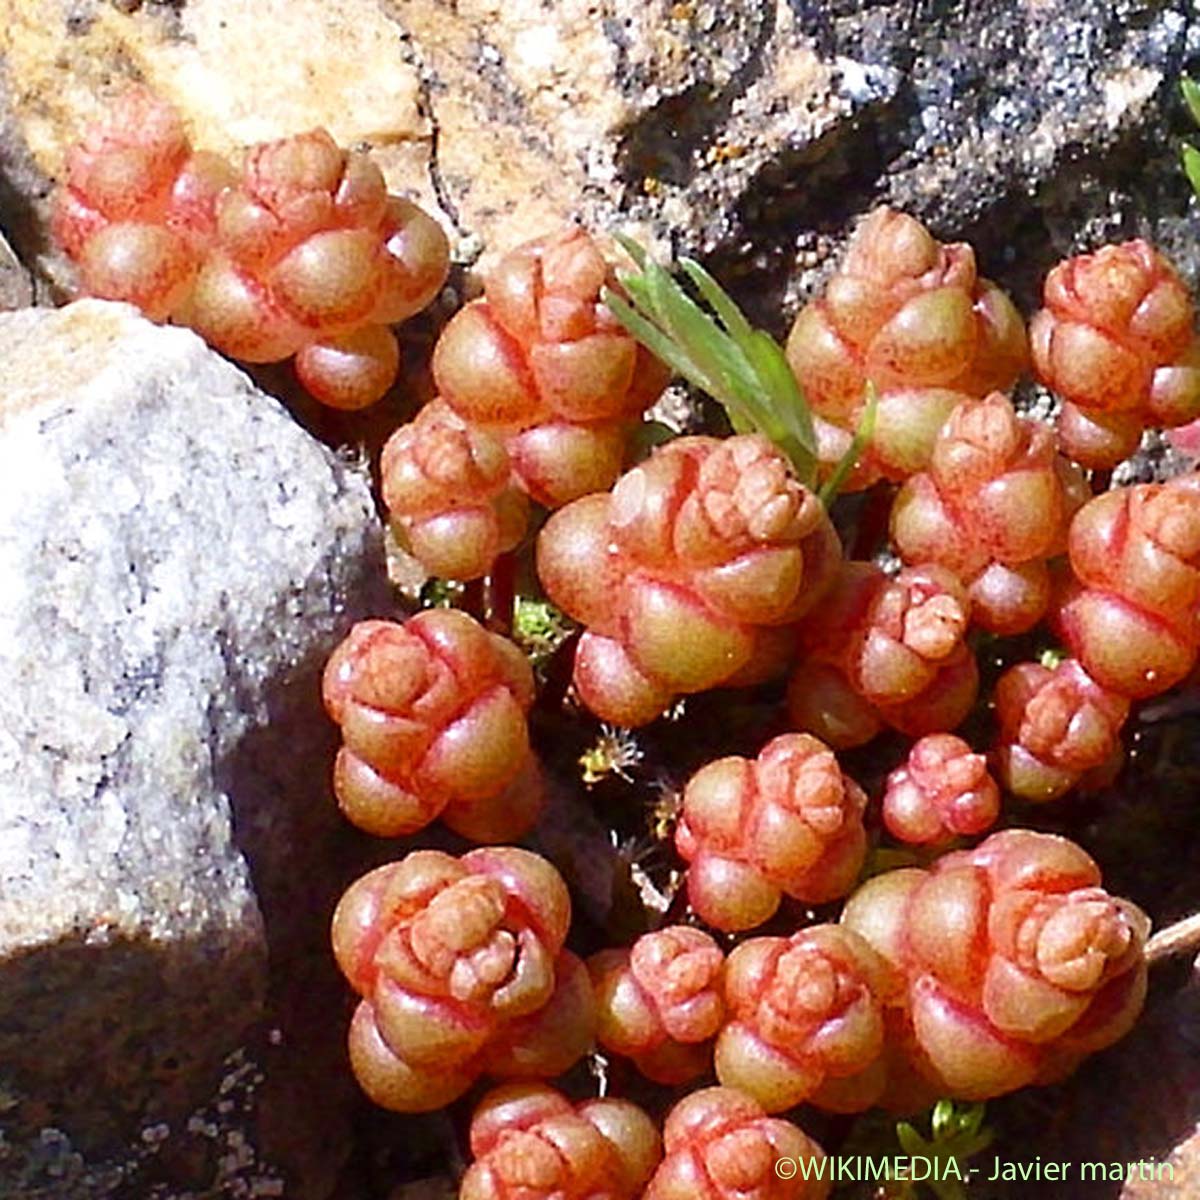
column 177, row 557
column 751, row 132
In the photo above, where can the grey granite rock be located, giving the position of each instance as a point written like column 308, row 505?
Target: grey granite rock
column 177, row 558
column 1031, row 129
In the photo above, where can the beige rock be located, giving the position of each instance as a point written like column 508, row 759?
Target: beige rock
column 16, row 288
column 238, row 72
column 504, row 118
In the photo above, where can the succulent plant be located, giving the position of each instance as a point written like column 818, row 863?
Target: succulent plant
column 660, row 1002
column 1018, row 964
column 882, row 652
column 305, row 253
column 1116, row 341
column 137, row 211
column 682, row 573
column 787, row 822
column 1057, row 726
column 909, row 317
column 450, row 494
column 432, row 714
column 1129, row 613
column 531, row 1143
column 540, row 360
column 941, row 791
column 719, row 1145
column 807, row 1020
column 461, row 970
column 311, row 252
column 993, row 508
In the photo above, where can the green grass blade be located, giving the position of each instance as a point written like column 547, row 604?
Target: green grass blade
column 741, row 367
column 718, row 298
column 653, row 338
column 1191, row 95
column 862, row 435
column 633, row 249
column 783, row 415
column 1191, row 166
column 699, row 336
column 773, row 368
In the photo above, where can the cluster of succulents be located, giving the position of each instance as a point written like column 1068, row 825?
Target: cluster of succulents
column 713, row 563
column 885, row 652
column 943, row 790
column 1017, row 963
column 1116, row 341
column 300, row 252
column 432, row 716
column 790, row 822
column 539, row 389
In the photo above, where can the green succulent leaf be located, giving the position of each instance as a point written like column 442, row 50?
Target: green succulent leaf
column 718, row 351
column 911, row 1142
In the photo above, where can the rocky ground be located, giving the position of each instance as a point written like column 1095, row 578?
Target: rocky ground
column 178, row 553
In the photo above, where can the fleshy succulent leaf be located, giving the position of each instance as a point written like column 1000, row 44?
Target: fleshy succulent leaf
column 742, row 368
column 911, row 1142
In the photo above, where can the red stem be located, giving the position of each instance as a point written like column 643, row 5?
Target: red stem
column 499, row 595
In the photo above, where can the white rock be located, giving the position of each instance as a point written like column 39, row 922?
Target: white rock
column 177, row 558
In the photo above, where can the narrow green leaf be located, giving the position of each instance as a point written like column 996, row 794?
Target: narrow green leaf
column 648, row 435
column 653, row 338
column 979, row 1142
column 743, row 368
column 1191, row 95
column 911, row 1142
column 632, row 248
column 973, row 1120
column 943, row 1116
column 862, row 435
column 732, row 380
column 787, row 400
column 740, row 422
column 1191, row 166
column 695, row 331
column 720, row 300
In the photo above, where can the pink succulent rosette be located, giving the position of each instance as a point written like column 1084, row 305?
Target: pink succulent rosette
column 1018, row 964
column 461, row 970
column 660, row 1002
column 786, row 823
column 432, row 714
